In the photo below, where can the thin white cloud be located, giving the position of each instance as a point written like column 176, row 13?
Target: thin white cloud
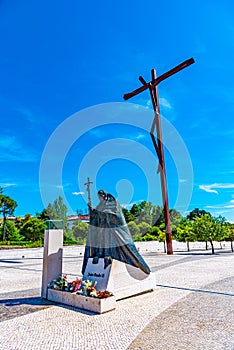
column 98, row 132
column 148, row 104
column 66, row 185
column 129, row 205
column 33, row 117
column 11, row 149
column 219, row 206
column 210, row 188
column 140, row 136
column 224, row 185
column 182, row 181
column 165, row 103
column 7, row 142
column 26, row 113
column 4, row 185
column 207, row 188
column 77, row 193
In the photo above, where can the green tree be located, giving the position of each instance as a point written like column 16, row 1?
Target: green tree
column 147, row 214
column 128, row 216
column 18, row 222
column 152, row 235
column 155, row 231
column 60, row 209
column 50, row 212
column 185, row 233
column 144, row 227
column 56, row 211
column 135, row 210
column 158, row 216
column 134, row 229
column 7, row 208
column 80, row 230
column 230, row 233
column 69, row 237
column 11, row 232
column 142, row 205
column 162, row 238
column 196, row 213
column 209, row 229
column 33, row 229
column 44, row 215
column 175, row 219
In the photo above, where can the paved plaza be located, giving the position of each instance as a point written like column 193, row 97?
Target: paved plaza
column 192, row 306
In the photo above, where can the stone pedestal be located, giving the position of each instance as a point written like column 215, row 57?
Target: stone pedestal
column 82, row 302
column 121, row 279
column 52, row 258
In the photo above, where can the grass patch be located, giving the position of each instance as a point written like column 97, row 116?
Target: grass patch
column 21, row 244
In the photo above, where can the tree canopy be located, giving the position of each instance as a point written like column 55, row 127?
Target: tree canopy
column 208, row 228
column 145, row 222
column 7, row 208
column 33, row 229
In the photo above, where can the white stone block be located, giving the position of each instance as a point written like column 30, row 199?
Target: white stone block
column 82, row 302
column 52, row 258
column 123, row 280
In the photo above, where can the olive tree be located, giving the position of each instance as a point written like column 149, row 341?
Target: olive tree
column 210, row 229
column 185, row 232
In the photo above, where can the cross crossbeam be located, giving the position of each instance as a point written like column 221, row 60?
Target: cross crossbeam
column 152, row 84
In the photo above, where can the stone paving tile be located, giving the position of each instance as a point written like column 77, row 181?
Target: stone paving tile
column 200, row 321
column 174, row 304
column 85, row 331
column 16, row 304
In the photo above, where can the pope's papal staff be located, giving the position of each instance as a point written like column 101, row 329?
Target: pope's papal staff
column 88, row 183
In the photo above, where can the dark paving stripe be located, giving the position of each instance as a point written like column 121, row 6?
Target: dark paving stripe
column 199, row 321
column 20, row 303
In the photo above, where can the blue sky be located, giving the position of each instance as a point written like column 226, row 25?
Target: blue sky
column 61, row 59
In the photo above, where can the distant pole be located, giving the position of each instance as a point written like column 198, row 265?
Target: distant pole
column 158, row 144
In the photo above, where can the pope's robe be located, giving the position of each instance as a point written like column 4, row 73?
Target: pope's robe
column 109, row 237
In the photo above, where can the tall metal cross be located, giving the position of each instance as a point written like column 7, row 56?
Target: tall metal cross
column 88, row 183
column 158, row 144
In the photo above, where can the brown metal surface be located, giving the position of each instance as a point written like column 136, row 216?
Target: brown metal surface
column 159, row 79
column 162, row 168
column 158, row 145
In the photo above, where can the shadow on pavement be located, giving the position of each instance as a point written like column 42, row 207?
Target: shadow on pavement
column 11, row 308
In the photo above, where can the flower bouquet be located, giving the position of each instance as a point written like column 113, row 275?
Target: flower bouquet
column 81, row 294
column 86, row 287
